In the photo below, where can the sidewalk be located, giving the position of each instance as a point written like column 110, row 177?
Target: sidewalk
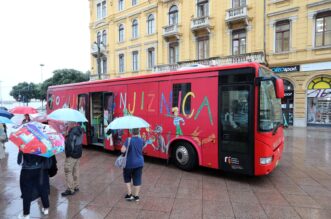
column 300, row 187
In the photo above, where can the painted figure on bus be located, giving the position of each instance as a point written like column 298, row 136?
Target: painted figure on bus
column 177, row 121
column 160, row 140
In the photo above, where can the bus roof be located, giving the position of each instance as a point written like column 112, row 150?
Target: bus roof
column 160, row 74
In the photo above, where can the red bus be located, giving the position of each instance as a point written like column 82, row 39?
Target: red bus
column 222, row 117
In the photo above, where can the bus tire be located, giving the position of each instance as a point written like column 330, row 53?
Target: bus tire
column 184, row 156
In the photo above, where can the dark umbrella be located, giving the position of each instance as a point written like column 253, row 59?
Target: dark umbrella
column 6, row 114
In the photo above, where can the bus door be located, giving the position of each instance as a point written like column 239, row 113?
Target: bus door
column 83, row 107
column 108, row 116
column 236, row 152
column 96, row 118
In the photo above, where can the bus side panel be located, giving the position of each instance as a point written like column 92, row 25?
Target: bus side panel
column 188, row 110
column 207, row 99
column 143, row 102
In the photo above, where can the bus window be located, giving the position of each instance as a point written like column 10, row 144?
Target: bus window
column 179, row 92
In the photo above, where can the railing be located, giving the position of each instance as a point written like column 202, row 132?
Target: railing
column 96, row 77
column 200, row 22
column 170, row 30
column 235, row 13
column 217, row 61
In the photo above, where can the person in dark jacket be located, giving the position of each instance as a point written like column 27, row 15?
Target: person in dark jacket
column 34, row 182
column 73, row 151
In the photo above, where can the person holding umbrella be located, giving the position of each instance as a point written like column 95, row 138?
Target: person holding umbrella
column 134, row 164
column 3, row 135
column 73, row 151
column 26, row 119
column 3, row 138
column 34, row 182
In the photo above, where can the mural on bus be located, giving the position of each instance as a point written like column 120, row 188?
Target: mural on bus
column 178, row 109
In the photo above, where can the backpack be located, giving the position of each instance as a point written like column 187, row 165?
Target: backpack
column 52, row 171
column 76, row 145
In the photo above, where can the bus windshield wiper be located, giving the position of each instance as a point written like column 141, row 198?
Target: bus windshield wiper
column 278, row 124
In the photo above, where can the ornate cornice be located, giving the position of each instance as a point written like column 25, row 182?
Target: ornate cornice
column 283, row 12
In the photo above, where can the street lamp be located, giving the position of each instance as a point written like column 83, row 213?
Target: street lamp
column 41, row 72
column 98, row 44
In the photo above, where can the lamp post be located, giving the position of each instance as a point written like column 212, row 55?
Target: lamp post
column 98, row 44
column 41, row 72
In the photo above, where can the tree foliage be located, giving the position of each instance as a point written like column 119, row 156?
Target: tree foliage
column 24, row 91
column 39, row 91
column 62, row 76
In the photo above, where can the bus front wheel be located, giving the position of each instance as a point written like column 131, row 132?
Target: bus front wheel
column 184, row 156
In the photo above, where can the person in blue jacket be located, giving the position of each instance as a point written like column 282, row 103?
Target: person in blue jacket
column 134, row 165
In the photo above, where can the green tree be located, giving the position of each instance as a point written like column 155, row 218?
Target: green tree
column 62, row 76
column 24, row 92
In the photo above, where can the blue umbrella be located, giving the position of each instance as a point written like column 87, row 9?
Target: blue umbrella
column 128, row 122
column 68, row 115
column 6, row 114
column 5, row 120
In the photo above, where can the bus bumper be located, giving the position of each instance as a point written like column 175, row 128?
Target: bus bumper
column 263, row 166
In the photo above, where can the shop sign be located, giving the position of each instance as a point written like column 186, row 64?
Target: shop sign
column 286, row 69
column 324, row 93
column 288, row 93
column 316, row 66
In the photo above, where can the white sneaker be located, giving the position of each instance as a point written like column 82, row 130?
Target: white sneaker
column 45, row 211
column 21, row 216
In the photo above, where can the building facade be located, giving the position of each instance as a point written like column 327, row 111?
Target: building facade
column 292, row 37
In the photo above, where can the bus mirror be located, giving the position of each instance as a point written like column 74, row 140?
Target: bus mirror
column 279, row 87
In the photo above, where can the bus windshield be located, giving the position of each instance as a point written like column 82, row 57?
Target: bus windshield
column 270, row 107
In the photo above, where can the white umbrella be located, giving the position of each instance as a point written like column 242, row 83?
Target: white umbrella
column 128, row 122
column 68, row 115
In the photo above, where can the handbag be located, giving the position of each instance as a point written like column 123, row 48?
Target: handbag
column 120, row 162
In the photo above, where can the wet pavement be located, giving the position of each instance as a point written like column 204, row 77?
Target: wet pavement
column 300, row 187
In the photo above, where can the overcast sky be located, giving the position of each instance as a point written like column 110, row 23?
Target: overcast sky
column 50, row 32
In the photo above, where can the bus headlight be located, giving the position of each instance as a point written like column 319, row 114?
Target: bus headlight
column 265, row 160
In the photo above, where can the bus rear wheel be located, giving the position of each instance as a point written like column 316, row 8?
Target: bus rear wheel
column 184, row 156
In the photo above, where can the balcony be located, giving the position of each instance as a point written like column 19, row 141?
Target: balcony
column 94, row 50
column 171, row 31
column 216, row 61
column 236, row 15
column 200, row 23
column 95, row 77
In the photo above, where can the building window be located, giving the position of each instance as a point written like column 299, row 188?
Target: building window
column 134, row 29
column 121, row 33
column 238, row 42
column 203, row 47
column 121, row 63
column 134, row 2
column 151, row 57
column 319, row 101
column 104, row 66
column 323, row 29
column 135, row 61
column 150, row 24
column 283, row 36
column 120, row 5
column 202, row 6
column 104, row 9
column 173, row 15
column 238, row 3
column 98, row 38
column 173, row 53
column 99, row 66
column 104, row 37
column 101, row 10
